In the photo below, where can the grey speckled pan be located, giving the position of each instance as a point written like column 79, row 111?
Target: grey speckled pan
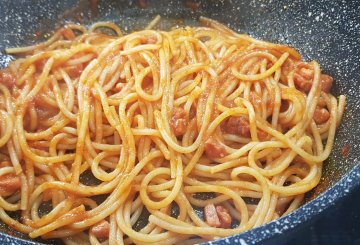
column 327, row 31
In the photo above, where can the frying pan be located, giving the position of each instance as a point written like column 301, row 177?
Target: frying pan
column 327, row 31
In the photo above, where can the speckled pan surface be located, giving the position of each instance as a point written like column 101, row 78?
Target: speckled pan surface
column 327, row 31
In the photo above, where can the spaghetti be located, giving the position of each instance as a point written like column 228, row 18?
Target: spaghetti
column 196, row 120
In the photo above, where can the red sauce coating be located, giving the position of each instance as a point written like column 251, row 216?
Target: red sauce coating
column 101, row 230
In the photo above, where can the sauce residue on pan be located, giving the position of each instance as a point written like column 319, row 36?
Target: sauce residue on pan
column 345, row 150
column 142, row 4
column 194, row 6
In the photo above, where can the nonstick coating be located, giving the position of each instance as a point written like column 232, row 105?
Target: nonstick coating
column 327, row 31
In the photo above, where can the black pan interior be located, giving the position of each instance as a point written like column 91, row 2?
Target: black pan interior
column 327, row 31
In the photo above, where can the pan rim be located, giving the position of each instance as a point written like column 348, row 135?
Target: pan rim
column 310, row 211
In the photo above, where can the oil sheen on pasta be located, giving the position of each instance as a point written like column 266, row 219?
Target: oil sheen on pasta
column 158, row 117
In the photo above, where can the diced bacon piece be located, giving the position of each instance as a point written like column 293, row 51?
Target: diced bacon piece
column 217, row 216
column 262, row 135
column 303, row 79
column 238, row 125
column 321, row 115
column 101, row 230
column 7, row 78
column 321, row 102
column 68, row 33
column 298, row 160
column 224, row 216
column 74, row 70
column 147, row 83
column 326, row 83
column 39, row 64
column 213, row 149
column 178, row 121
column 241, row 126
column 211, row 216
column 9, row 183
